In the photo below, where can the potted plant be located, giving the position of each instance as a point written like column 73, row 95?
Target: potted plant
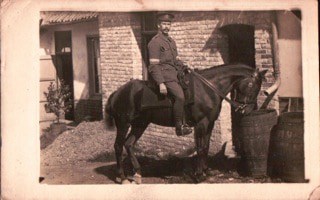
column 58, row 102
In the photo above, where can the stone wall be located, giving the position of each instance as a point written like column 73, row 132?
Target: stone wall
column 200, row 45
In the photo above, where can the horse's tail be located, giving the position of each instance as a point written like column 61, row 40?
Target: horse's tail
column 109, row 120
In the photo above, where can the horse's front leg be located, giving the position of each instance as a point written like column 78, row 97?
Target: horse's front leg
column 202, row 138
column 206, row 139
column 199, row 138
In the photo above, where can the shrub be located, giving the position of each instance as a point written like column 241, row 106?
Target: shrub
column 58, row 99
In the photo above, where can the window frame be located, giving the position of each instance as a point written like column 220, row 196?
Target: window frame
column 94, row 74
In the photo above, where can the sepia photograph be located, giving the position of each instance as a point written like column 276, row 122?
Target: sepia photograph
column 147, row 101
column 111, row 66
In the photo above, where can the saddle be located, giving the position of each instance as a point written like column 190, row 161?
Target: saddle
column 152, row 98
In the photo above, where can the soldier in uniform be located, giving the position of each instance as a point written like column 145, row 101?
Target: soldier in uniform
column 164, row 68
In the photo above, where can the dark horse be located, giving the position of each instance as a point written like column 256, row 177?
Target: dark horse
column 123, row 108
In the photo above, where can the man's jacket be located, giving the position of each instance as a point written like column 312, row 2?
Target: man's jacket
column 163, row 54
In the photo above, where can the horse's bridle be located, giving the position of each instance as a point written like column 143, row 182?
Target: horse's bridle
column 238, row 106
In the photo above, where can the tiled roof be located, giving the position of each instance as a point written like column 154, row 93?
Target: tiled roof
column 65, row 17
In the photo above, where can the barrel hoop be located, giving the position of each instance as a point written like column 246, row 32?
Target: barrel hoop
column 292, row 117
column 272, row 114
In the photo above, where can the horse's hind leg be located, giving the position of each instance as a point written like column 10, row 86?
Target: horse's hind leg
column 118, row 146
column 137, row 130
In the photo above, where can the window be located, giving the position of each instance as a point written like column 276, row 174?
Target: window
column 148, row 30
column 63, row 62
column 94, row 64
column 62, row 42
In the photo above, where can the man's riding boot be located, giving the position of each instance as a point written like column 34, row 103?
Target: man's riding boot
column 182, row 129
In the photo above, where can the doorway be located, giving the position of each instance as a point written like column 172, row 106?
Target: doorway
column 241, row 43
column 241, row 50
column 63, row 52
column 148, row 30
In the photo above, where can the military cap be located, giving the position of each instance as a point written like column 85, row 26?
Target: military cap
column 165, row 16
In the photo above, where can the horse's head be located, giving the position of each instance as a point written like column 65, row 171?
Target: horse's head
column 247, row 90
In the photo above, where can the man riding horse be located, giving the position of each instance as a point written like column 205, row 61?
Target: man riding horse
column 164, row 68
column 210, row 88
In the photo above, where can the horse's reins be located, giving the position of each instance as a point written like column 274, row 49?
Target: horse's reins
column 236, row 105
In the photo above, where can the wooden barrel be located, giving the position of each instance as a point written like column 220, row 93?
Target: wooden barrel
column 254, row 133
column 287, row 148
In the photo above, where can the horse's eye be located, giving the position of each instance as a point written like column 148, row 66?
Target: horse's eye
column 250, row 85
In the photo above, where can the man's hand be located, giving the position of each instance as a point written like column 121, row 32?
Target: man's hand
column 163, row 89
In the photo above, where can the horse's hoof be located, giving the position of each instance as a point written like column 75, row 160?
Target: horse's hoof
column 137, row 178
column 118, row 180
column 125, row 181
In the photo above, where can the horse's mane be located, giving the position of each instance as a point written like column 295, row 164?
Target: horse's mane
column 237, row 69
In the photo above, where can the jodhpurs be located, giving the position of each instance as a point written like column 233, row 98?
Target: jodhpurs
column 175, row 90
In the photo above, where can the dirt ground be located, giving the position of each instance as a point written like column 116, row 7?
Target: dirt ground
column 153, row 172
column 84, row 155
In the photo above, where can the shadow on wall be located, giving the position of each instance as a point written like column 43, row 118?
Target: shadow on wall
column 217, row 43
column 235, row 27
column 234, row 42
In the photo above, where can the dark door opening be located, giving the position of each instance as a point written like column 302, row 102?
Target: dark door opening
column 241, row 50
column 241, row 43
column 63, row 52
column 149, row 30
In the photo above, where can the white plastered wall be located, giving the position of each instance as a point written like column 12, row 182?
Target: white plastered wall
column 290, row 55
column 79, row 32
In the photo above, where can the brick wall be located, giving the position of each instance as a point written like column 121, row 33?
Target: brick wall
column 120, row 44
column 200, row 45
column 88, row 109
